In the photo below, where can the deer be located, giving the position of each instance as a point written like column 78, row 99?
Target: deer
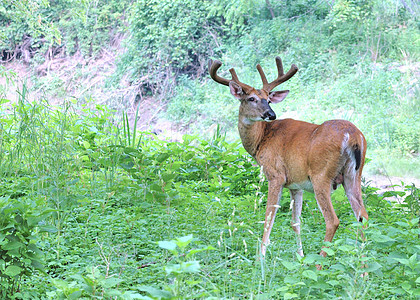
column 297, row 155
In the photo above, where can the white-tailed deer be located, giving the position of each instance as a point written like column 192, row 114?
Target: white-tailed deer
column 297, row 155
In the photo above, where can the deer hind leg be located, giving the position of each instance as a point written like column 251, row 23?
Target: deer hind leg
column 352, row 186
column 296, row 204
column 322, row 189
column 275, row 188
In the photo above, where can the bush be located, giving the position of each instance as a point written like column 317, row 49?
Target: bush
column 34, row 27
column 167, row 38
column 20, row 227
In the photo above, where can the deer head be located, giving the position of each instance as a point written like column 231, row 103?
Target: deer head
column 255, row 103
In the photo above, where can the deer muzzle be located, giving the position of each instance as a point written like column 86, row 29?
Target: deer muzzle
column 269, row 114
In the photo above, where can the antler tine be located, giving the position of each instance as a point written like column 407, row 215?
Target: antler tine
column 281, row 77
column 213, row 67
column 279, row 65
column 234, row 76
column 263, row 78
column 247, row 89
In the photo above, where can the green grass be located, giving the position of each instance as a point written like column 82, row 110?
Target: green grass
column 387, row 162
column 91, row 209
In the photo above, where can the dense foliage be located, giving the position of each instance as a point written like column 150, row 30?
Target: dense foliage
column 94, row 210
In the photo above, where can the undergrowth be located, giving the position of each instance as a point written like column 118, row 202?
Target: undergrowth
column 94, row 209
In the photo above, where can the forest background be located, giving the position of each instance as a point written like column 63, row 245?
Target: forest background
column 94, row 82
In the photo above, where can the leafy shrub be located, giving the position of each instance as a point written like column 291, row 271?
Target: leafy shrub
column 180, row 271
column 32, row 27
column 167, row 38
column 89, row 26
column 21, row 222
column 24, row 29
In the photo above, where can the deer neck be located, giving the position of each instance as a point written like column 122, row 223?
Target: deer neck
column 252, row 134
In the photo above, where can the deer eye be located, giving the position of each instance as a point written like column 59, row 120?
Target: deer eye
column 252, row 99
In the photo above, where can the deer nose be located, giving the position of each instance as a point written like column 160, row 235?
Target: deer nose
column 269, row 114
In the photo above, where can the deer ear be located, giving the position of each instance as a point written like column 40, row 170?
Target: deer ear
column 278, row 96
column 235, row 90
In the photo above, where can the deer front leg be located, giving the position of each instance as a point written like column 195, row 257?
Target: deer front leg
column 297, row 196
column 275, row 187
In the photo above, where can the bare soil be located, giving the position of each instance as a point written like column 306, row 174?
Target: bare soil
column 81, row 79
column 391, row 183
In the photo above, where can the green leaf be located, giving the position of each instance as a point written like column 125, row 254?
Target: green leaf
column 329, row 251
column 127, row 163
column 290, row 296
column 133, row 295
column 86, row 144
column 379, row 238
column 162, row 157
column 37, row 265
column 406, row 286
column 282, row 289
column 293, row 280
column 75, row 295
column 166, row 177
column 310, row 274
column 393, row 194
column 168, row 245
column 338, row 267
column 2, row 237
column 60, row 284
column 403, row 261
column 191, row 267
column 311, row 258
column 333, row 282
column 394, row 256
column 156, row 187
column 13, row 271
column 414, row 221
column 193, row 282
column 403, row 224
column 345, row 248
column 413, row 259
column 372, row 266
column 130, row 150
column 11, row 245
column 155, row 293
column 194, row 251
column 48, row 228
column 290, row 265
column 111, row 282
column 183, row 242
